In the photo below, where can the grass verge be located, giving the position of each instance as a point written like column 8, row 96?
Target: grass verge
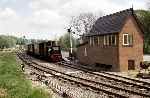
column 12, row 81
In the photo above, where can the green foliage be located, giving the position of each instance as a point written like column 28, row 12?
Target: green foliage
column 21, row 41
column 144, row 17
column 13, row 81
column 64, row 42
column 7, row 41
column 11, row 41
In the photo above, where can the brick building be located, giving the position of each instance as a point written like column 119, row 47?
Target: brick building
column 115, row 41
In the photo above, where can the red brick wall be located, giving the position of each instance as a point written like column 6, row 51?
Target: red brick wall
column 130, row 53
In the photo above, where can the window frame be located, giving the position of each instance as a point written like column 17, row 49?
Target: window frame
column 130, row 40
column 90, row 41
column 114, row 40
column 85, row 51
column 93, row 40
column 98, row 39
column 107, row 40
column 104, row 39
column 126, row 34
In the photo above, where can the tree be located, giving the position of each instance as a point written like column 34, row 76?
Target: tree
column 64, row 42
column 148, row 4
column 22, row 41
column 83, row 23
column 7, row 41
column 144, row 17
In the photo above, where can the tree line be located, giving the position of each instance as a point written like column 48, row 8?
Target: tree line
column 10, row 41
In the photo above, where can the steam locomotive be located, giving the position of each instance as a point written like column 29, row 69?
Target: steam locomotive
column 46, row 50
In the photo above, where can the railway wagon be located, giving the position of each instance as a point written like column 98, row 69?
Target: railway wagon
column 42, row 49
column 36, row 50
column 46, row 50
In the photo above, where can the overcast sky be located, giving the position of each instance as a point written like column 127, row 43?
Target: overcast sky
column 47, row 19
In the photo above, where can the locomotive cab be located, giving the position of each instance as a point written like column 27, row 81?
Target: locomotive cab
column 54, row 53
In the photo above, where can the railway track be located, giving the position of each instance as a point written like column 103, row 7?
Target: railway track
column 99, row 86
column 134, row 80
column 125, row 84
column 70, row 78
column 126, row 80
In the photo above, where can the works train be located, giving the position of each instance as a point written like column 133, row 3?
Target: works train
column 46, row 50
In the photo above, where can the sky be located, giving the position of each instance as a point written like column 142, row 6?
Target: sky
column 48, row 19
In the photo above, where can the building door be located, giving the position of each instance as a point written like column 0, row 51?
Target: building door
column 131, row 65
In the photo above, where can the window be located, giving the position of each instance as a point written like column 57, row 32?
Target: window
column 90, row 41
column 104, row 40
column 49, row 50
column 130, row 40
column 127, row 39
column 93, row 41
column 98, row 39
column 109, row 39
column 113, row 40
column 85, row 52
column 55, row 48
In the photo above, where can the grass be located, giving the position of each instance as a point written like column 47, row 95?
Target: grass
column 12, row 81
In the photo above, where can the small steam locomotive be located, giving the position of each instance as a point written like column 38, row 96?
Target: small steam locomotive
column 46, row 50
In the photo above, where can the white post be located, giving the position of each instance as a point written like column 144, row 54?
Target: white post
column 70, row 42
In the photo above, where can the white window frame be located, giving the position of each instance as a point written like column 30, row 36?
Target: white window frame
column 90, row 41
column 93, row 41
column 104, row 39
column 85, row 52
column 111, row 39
column 127, row 39
column 107, row 36
column 115, row 40
column 98, row 39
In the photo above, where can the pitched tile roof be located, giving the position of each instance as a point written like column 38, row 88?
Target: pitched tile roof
column 112, row 23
